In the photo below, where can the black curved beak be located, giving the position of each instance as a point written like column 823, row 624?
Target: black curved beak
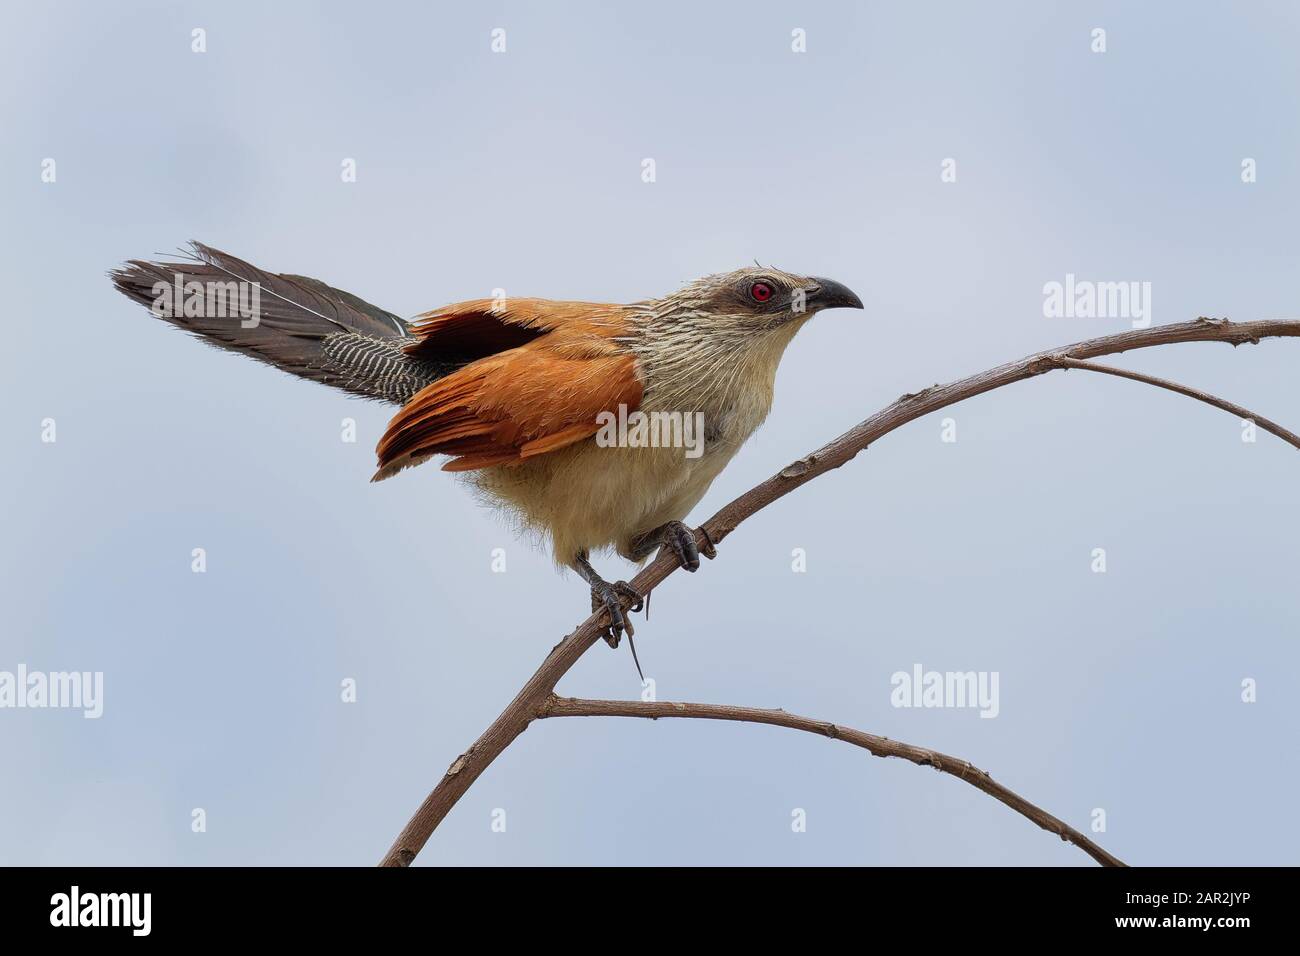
column 830, row 294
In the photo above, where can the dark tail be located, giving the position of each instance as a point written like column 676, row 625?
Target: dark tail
column 297, row 324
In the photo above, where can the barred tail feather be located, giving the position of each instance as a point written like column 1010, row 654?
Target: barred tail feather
column 297, row 324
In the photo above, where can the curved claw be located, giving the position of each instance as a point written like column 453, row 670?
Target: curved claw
column 626, row 590
column 610, row 597
column 710, row 550
column 681, row 540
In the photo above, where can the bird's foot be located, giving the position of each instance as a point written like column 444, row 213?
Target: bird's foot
column 610, row 596
column 680, row 540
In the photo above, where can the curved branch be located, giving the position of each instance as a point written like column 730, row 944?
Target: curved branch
column 521, row 711
column 1233, row 409
column 964, row 770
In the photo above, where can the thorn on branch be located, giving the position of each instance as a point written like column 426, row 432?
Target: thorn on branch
column 799, row 468
column 909, row 396
column 458, row 764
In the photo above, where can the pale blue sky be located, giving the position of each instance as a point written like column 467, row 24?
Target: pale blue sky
column 522, row 171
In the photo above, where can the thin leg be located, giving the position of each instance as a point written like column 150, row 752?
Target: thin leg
column 610, row 597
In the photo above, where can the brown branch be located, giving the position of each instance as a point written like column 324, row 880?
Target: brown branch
column 964, row 770
column 521, row 711
column 1229, row 407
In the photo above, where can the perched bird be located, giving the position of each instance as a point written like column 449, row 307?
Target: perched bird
column 517, row 391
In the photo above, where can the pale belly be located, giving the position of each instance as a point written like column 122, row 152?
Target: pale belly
column 586, row 498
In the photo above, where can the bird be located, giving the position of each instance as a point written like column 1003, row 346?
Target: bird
column 518, row 393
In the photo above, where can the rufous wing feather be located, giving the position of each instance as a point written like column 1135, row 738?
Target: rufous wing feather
column 535, row 397
column 481, row 327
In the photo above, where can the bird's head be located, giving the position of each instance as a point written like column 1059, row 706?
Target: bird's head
column 757, row 298
column 726, row 330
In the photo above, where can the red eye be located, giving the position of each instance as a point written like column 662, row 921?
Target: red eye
column 760, row 291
